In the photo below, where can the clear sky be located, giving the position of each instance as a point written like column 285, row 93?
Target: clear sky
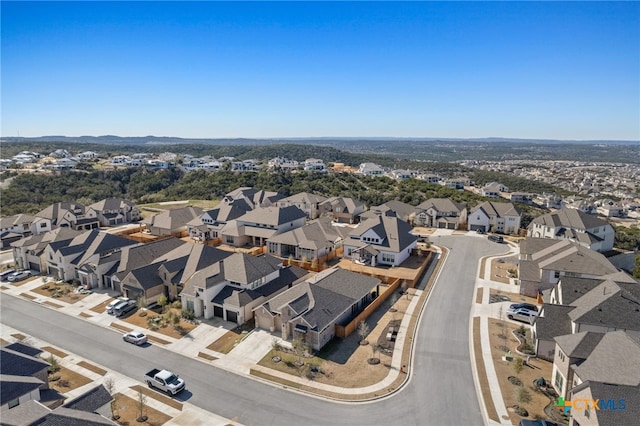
column 295, row 69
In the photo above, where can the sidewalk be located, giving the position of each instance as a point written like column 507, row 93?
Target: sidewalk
column 484, row 311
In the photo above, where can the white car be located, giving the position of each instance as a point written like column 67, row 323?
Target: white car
column 114, row 302
column 524, row 315
column 18, row 276
column 136, row 337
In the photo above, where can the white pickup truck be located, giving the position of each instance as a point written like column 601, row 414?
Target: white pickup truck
column 164, row 380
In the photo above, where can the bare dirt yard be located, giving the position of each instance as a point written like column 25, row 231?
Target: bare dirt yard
column 345, row 363
column 166, row 324
column 62, row 291
column 518, row 389
column 127, row 410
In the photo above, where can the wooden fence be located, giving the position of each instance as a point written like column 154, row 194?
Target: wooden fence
column 343, row 331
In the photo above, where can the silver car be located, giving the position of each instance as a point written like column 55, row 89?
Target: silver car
column 524, row 315
column 18, row 276
column 136, row 337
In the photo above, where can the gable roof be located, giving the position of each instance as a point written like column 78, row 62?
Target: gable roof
column 553, row 322
column 58, row 210
column 111, row 204
column 175, row 218
column 569, row 218
column 395, row 234
column 348, row 205
column 303, row 197
column 579, row 345
column 14, row 386
column 20, row 364
column 275, row 216
column 244, row 269
column 18, row 219
column 606, row 391
column 24, row 349
column 316, row 235
column 442, row 205
column 402, row 210
column 133, row 257
column 614, row 360
column 491, row 208
column 91, row 400
column 610, row 304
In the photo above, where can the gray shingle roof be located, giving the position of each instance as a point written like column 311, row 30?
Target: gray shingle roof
column 395, row 233
column 273, row 215
column 91, row 400
column 66, row 417
column 615, row 360
column 615, row 417
column 316, row 235
column 579, row 345
column 15, row 386
column 245, row 269
column 570, row 218
column 554, row 321
column 572, row 288
column 402, row 210
column 111, row 204
column 442, row 205
column 174, row 219
column 19, row 364
column 24, row 349
column 610, row 304
column 497, row 209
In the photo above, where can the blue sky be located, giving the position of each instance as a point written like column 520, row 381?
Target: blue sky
column 295, row 69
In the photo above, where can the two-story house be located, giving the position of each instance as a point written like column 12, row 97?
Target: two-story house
column 28, row 253
column 115, row 211
column 495, row 217
column 13, row 228
column 342, row 209
column 209, row 225
column 574, row 225
column 441, row 213
column 403, row 211
column 493, row 190
column 305, row 201
column 66, row 214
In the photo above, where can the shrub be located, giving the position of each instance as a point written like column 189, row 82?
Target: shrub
column 176, row 304
column 189, row 315
column 142, row 314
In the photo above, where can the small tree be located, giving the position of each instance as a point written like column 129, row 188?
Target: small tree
column 405, row 288
column 374, row 351
column 141, row 302
column 141, row 403
column 518, row 365
column 109, row 384
column 162, row 301
column 363, row 330
column 524, row 396
column 300, row 347
column 54, row 366
column 276, row 346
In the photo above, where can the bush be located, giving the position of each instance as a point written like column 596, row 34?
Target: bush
column 142, row 314
column 176, row 304
column 189, row 315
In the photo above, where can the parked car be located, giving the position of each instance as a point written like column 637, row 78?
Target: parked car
column 529, row 306
column 524, row 315
column 115, row 302
column 5, row 274
column 496, row 238
column 136, row 337
column 19, row 276
column 480, row 231
column 120, row 304
column 125, row 308
column 537, row 422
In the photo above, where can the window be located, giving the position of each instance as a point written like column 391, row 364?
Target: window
column 43, row 225
column 556, row 274
column 14, row 403
column 559, row 380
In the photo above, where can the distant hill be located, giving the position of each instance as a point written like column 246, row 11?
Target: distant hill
column 153, row 140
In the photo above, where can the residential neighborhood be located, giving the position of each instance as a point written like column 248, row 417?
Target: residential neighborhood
column 276, row 264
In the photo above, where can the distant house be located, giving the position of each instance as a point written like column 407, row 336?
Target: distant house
column 115, row 211
column 370, row 169
column 544, row 262
column 283, row 163
column 381, row 240
column 441, row 213
column 493, row 190
column 311, row 310
column 252, row 197
column 13, row 228
column 342, row 209
column 314, row 165
column 520, row 197
column 305, row 201
column 231, row 288
column 496, row 217
column 209, row 225
column 570, row 224
column 172, row 222
column 66, row 214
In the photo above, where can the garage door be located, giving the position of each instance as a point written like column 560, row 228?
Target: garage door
column 232, row 316
column 451, row 225
column 218, row 312
column 476, row 227
column 34, row 266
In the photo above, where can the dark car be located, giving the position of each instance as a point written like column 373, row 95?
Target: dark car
column 496, row 238
column 538, row 422
column 527, row 306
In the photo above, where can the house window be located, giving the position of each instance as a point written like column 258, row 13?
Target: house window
column 556, row 274
column 14, row 403
column 559, row 380
column 43, row 225
column 190, row 305
column 587, row 411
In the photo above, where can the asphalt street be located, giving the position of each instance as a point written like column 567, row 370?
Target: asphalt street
column 440, row 391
